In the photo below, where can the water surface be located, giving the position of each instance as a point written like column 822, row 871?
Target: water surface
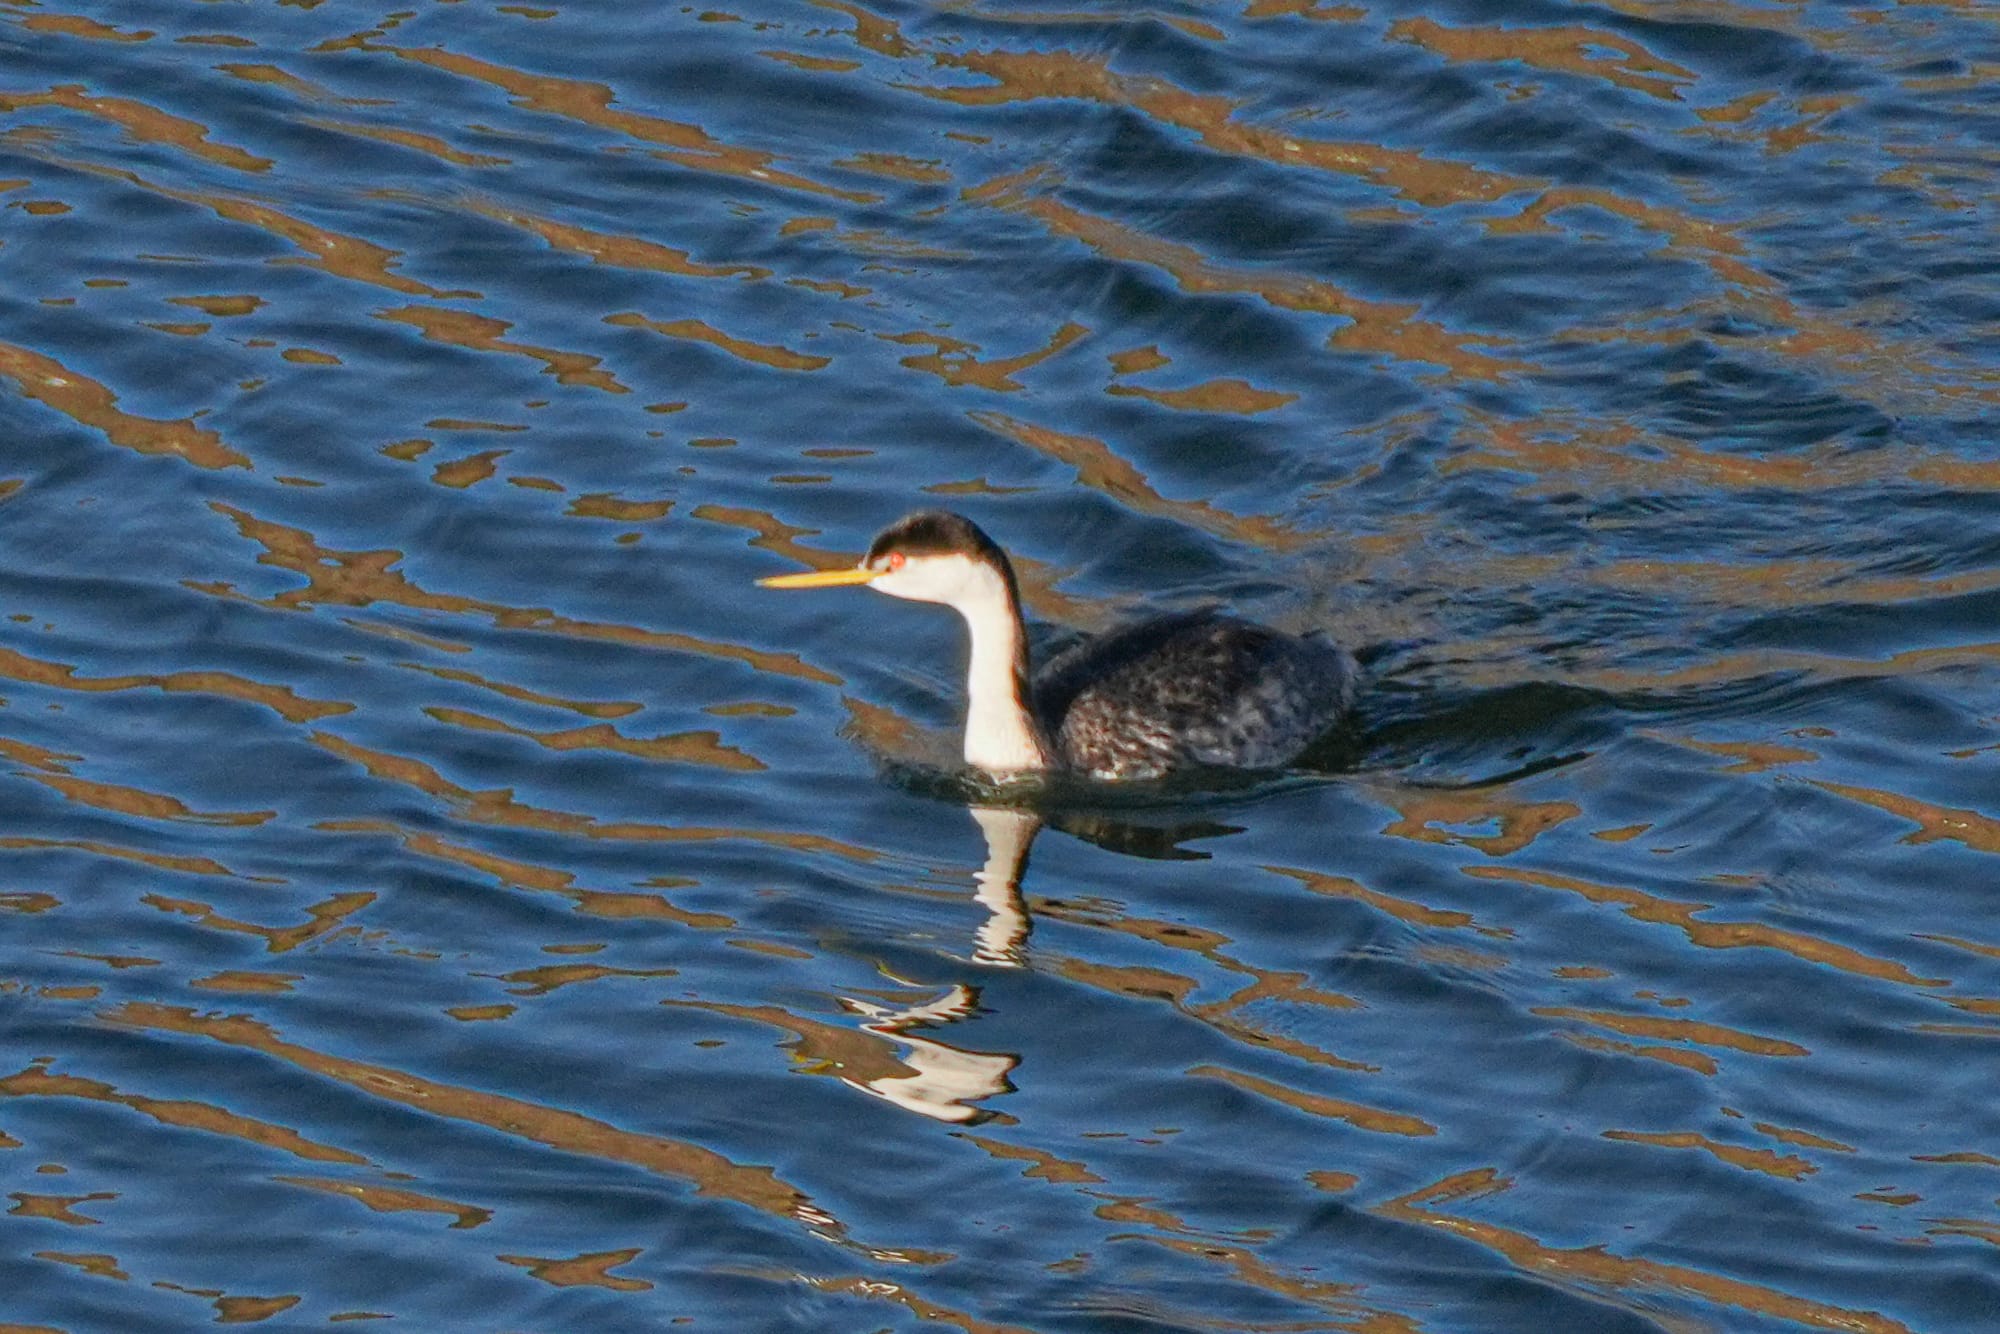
column 441, row 889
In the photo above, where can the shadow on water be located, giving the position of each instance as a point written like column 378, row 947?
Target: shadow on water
column 1485, row 738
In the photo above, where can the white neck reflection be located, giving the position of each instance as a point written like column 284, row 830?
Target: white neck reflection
column 936, row 1080
column 1009, row 832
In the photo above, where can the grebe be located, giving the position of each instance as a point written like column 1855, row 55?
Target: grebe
column 1193, row 690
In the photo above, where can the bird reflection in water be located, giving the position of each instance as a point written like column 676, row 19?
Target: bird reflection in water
column 930, row 1077
column 933, row 1078
column 944, row 1082
column 1010, row 832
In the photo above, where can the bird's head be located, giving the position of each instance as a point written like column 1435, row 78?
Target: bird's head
column 930, row 556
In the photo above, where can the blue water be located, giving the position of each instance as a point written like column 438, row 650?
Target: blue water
column 438, row 887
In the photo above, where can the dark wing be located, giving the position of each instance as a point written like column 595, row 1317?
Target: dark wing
column 1197, row 689
column 1079, row 666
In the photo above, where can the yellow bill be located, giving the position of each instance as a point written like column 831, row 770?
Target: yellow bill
column 820, row 578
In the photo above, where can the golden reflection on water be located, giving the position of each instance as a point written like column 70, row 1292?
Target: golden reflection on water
column 759, row 1188
column 1643, row 907
column 1784, row 1166
column 705, row 748
column 1428, row 814
column 744, row 349
column 1358, row 1115
column 1244, row 1265
column 393, row 1200
column 1372, row 326
column 335, row 253
column 952, row 360
column 414, row 140
column 1236, row 397
column 590, row 103
column 1019, row 75
column 477, row 333
column 145, row 123
column 519, row 875
column 1101, row 468
column 1155, row 984
column 1403, row 910
column 1696, row 1032
column 1593, row 1268
column 590, row 1270
column 1426, row 181
column 1972, row 829
column 91, row 404
column 37, row 1082
column 363, row 578
column 75, row 25
column 321, row 919
column 146, row 805
column 619, row 251
column 1575, row 49
column 500, row 808
column 57, row 1208
column 899, row 1294
column 159, row 861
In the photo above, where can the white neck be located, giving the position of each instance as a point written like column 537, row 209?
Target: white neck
column 1001, row 735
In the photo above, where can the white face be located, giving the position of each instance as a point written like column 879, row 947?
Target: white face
column 953, row 580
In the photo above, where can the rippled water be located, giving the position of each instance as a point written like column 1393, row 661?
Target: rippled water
column 441, row 888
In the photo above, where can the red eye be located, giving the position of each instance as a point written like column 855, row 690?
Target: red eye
column 895, row 560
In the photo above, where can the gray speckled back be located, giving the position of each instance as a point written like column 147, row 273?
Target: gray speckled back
column 1199, row 689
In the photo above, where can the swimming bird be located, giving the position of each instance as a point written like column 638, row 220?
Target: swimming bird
column 1198, row 689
